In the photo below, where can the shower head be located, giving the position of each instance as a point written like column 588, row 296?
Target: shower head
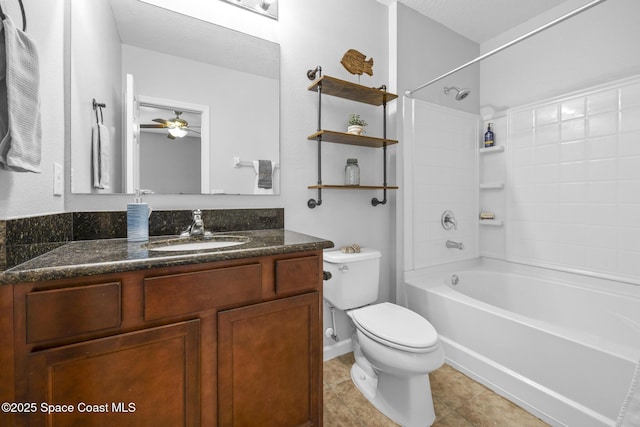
column 462, row 93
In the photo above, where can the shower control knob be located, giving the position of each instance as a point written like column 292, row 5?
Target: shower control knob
column 448, row 220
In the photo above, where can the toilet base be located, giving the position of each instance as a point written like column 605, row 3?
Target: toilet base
column 405, row 400
column 367, row 384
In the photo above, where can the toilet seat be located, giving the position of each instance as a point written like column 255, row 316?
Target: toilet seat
column 396, row 326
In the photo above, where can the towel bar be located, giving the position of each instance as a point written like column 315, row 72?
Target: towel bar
column 240, row 163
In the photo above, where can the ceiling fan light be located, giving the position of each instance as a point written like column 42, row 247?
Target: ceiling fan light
column 178, row 132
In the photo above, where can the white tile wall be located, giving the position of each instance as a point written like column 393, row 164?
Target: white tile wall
column 573, row 184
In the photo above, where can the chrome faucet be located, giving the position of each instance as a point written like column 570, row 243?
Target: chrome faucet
column 455, row 245
column 448, row 220
column 197, row 225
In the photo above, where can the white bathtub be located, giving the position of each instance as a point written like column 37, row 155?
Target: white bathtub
column 562, row 345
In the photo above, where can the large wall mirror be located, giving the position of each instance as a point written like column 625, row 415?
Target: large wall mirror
column 164, row 101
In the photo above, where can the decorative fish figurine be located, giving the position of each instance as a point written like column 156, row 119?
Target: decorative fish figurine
column 355, row 63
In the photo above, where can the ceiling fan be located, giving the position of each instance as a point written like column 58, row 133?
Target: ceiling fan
column 177, row 127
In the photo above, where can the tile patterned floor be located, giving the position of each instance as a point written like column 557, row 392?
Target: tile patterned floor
column 458, row 400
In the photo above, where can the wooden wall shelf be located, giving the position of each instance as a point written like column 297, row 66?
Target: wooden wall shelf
column 351, row 139
column 326, row 85
column 352, row 91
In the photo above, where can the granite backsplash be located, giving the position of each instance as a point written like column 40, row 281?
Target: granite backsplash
column 22, row 239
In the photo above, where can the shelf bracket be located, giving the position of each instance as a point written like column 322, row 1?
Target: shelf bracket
column 375, row 201
column 311, row 74
column 312, row 203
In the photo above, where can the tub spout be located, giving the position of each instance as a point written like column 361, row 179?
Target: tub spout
column 455, row 245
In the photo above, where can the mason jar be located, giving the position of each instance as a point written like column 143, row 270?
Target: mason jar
column 352, row 172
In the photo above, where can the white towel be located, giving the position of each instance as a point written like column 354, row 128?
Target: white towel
column 630, row 412
column 20, row 124
column 100, row 146
column 258, row 187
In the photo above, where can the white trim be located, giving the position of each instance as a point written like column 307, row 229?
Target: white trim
column 205, row 143
column 338, row 349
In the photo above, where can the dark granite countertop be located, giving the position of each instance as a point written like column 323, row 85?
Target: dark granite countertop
column 90, row 257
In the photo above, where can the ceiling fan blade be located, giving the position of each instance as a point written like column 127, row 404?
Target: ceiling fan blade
column 170, row 136
column 163, row 121
column 152, row 126
column 194, row 131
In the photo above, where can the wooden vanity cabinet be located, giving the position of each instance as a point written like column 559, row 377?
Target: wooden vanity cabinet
column 268, row 363
column 229, row 343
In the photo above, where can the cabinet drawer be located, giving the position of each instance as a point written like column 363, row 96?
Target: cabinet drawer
column 62, row 313
column 177, row 294
column 298, row 274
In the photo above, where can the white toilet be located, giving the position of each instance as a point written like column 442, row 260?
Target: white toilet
column 394, row 347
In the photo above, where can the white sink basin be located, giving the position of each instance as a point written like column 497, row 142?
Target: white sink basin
column 217, row 242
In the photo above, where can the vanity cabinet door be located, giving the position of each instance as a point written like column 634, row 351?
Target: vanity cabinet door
column 269, row 364
column 147, row 377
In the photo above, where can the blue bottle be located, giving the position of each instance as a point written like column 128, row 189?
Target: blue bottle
column 138, row 218
column 489, row 139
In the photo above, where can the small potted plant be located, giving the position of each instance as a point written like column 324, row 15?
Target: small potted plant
column 356, row 124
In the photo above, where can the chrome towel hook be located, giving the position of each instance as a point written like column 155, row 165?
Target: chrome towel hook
column 96, row 106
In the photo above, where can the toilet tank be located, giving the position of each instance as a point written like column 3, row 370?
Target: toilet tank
column 354, row 278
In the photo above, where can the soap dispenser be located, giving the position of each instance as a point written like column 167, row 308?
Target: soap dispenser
column 138, row 218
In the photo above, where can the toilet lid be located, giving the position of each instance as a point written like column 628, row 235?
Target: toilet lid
column 396, row 324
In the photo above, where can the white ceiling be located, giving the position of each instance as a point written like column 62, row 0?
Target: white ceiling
column 152, row 27
column 481, row 20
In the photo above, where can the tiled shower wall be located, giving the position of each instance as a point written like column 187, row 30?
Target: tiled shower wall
column 440, row 173
column 573, row 185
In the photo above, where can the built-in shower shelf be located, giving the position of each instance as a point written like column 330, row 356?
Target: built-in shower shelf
column 493, row 222
column 492, row 186
column 494, row 149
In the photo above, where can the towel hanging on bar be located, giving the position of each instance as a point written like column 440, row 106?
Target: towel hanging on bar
column 265, row 174
column 20, row 116
column 100, row 149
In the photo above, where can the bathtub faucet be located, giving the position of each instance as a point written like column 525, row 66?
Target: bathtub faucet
column 455, row 245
